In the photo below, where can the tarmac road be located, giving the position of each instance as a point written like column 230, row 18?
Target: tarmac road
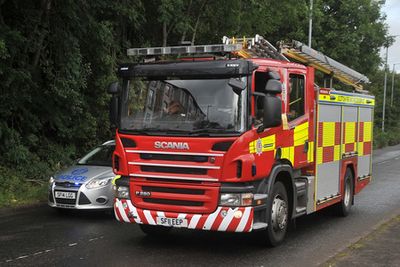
column 42, row 237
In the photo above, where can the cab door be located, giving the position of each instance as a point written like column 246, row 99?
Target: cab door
column 298, row 107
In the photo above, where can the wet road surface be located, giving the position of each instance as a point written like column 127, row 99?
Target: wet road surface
column 42, row 237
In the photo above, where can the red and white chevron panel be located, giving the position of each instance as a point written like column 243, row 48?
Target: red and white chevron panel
column 223, row 219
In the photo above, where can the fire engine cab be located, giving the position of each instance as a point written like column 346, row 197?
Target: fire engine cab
column 236, row 137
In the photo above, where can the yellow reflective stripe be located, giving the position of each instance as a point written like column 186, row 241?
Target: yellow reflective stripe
column 300, row 135
column 288, row 153
column 310, row 153
column 360, row 148
column 336, row 152
column 268, row 143
column 329, row 134
column 115, row 178
column 319, row 154
column 350, row 129
column 367, row 131
column 252, row 147
column 347, row 99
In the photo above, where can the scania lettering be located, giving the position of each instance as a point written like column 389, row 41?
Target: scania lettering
column 171, row 145
column 237, row 137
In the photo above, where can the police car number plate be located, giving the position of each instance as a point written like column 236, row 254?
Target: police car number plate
column 175, row 222
column 66, row 195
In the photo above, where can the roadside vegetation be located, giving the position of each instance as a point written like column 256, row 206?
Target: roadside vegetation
column 57, row 58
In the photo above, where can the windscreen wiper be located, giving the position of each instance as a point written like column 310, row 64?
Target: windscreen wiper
column 219, row 131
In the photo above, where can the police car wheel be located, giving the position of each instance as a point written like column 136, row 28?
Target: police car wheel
column 154, row 230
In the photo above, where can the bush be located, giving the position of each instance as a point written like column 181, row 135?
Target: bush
column 17, row 190
column 389, row 138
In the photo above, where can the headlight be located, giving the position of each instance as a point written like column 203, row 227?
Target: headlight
column 98, row 182
column 236, row 200
column 121, row 191
column 51, row 180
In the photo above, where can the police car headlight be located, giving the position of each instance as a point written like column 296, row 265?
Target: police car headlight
column 236, row 200
column 51, row 180
column 98, row 182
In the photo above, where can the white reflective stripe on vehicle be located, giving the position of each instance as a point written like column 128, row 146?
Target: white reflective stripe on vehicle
column 174, row 165
column 181, row 216
column 193, row 222
column 210, row 220
column 115, row 212
column 227, row 220
column 174, row 153
column 172, row 177
column 149, row 218
column 122, row 211
column 244, row 220
column 160, row 214
column 134, row 212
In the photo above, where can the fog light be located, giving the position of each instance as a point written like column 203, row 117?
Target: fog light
column 236, row 200
column 238, row 214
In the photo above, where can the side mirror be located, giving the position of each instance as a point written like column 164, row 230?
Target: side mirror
column 237, row 85
column 113, row 88
column 272, row 111
column 114, row 110
column 273, row 87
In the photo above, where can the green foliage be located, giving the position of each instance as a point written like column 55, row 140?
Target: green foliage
column 57, row 58
column 15, row 191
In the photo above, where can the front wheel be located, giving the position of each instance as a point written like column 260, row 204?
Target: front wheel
column 343, row 207
column 278, row 215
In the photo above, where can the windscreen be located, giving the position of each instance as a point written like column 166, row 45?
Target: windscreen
column 187, row 107
column 100, row 156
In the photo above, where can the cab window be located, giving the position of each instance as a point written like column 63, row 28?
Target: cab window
column 260, row 83
column 296, row 96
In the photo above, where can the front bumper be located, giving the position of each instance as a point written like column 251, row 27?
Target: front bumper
column 90, row 199
column 225, row 219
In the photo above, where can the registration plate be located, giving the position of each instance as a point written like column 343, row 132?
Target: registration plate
column 66, row 195
column 175, row 222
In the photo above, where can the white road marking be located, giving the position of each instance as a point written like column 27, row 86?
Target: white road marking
column 47, row 250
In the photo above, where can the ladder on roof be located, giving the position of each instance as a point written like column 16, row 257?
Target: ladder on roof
column 257, row 47
column 306, row 55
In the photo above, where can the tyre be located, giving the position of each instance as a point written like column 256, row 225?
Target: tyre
column 154, row 230
column 278, row 216
column 344, row 206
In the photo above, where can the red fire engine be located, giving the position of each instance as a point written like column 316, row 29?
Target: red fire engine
column 239, row 139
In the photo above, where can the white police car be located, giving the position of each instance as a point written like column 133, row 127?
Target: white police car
column 86, row 185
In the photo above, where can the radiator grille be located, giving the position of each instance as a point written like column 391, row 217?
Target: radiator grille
column 174, row 202
column 173, row 190
column 173, row 170
column 170, row 157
